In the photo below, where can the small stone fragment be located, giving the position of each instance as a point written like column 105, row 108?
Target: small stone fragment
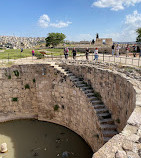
column 65, row 154
column 120, row 154
column 4, row 147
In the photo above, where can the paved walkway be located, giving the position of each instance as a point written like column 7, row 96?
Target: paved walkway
column 106, row 58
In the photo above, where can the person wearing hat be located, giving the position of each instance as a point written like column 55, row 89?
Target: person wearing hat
column 96, row 54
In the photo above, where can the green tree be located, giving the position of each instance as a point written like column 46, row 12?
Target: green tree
column 54, row 39
column 138, row 31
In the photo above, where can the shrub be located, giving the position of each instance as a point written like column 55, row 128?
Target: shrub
column 15, row 99
column 56, row 107
column 16, row 72
column 27, row 86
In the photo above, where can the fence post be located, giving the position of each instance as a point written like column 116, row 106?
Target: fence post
column 138, row 62
column 103, row 54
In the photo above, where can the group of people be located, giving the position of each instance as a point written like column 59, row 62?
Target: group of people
column 66, row 53
column 33, row 51
column 87, row 51
column 116, row 48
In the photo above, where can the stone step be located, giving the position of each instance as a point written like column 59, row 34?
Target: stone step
column 88, row 91
column 78, row 82
column 80, row 85
column 99, row 106
column 108, row 127
column 69, row 72
column 104, row 115
column 74, row 79
column 85, row 88
column 92, row 98
column 90, row 94
column 108, row 133
column 106, row 139
column 106, row 121
column 72, row 76
column 99, row 111
column 95, row 102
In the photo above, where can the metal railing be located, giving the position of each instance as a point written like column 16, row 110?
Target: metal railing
column 133, row 61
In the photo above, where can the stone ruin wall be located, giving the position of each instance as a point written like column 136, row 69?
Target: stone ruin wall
column 117, row 92
column 99, row 42
column 125, row 106
column 55, row 89
column 47, row 92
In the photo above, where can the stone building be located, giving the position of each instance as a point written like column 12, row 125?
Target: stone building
column 103, row 41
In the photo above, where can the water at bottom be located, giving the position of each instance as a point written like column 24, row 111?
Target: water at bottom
column 38, row 139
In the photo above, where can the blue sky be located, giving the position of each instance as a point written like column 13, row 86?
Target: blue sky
column 77, row 19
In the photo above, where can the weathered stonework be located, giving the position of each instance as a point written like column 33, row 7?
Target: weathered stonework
column 117, row 92
column 50, row 90
column 99, row 41
column 52, row 96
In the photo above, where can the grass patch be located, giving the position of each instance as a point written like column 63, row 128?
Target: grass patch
column 15, row 99
column 9, row 76
column 39, row 55
column 27, row 86
column 16, row 72
column 56, row 107
column 16, row 53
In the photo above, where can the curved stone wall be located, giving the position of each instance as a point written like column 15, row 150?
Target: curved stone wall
column 42, row 92
column 117, row 92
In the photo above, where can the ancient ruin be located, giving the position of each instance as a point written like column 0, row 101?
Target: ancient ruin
column 100, row 104
column 103, row 41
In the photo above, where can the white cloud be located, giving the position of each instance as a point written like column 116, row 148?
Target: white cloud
column 132, row 22
column 115, row 4
column 60, row 24
column 44, row 22
column 133, row 19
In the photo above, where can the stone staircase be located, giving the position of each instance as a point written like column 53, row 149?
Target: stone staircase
column 108, row 127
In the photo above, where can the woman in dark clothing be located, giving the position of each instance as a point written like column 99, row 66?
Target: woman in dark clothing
column 87, row 53
column 74, row 53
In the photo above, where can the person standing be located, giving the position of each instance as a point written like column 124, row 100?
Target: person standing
column 96, row 54
column 74, row 53
column 117, row 48
column 87, row 53
column 33, row 52
column 134, row 50
column 66, row 53
column 21, row 50
column 127, row 50
column 113, row 50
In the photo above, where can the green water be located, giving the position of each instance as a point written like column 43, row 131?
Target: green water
column 37, row 139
